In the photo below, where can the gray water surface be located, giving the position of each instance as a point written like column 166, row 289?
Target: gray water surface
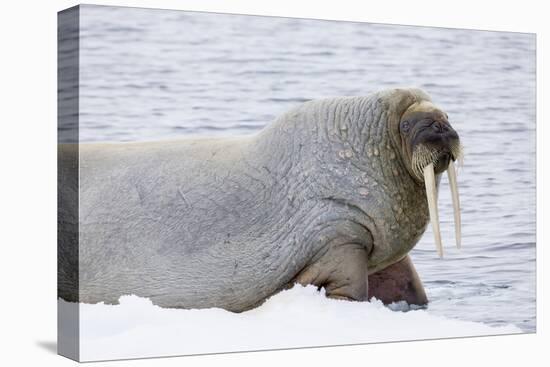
column 156, row 74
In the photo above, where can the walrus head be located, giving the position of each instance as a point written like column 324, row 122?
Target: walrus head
column 428, row 137
column 430, row 146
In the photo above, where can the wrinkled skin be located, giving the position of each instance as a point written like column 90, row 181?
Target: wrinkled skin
column 324, row 195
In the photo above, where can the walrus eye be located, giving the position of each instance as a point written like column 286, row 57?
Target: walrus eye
column 405, row 125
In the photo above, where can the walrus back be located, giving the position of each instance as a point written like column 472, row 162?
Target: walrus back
column 166, row 220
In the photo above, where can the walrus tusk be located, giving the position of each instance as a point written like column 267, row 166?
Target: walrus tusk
column 431, row 194
column 456, row 203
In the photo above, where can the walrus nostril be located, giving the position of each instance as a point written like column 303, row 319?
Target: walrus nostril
column 438, row 127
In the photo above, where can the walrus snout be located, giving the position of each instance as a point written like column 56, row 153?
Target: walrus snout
column 437, row 134
column 440, row 127
column 433, row 140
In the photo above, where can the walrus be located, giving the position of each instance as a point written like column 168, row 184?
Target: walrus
column 333, row 193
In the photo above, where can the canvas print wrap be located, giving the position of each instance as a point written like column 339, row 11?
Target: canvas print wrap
column 235, row 183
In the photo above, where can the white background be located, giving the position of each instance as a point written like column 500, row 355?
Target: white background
column 28, row 181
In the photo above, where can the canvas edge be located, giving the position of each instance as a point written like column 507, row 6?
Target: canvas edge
column 68, row 313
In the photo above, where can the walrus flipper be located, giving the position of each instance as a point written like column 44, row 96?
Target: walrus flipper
column 398, row 282
column 341, row 271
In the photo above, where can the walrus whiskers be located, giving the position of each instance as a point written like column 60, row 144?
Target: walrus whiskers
column 422, row 156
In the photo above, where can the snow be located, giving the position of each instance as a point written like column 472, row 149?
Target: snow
column 298, row 317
